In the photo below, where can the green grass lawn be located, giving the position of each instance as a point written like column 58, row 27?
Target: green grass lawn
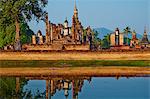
column 73, row 63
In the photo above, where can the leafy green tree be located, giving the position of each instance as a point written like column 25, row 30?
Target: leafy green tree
column 17, row 11
column 84, row 35
column 8, row 36
column 8, row 87
column 127, row 31
column 96, row 39
column 105, row 43
column 26, row 33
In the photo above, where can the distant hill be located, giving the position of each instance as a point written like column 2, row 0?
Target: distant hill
column 104, row 31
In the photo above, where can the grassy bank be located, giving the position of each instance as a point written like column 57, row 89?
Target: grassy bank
column 72, row 63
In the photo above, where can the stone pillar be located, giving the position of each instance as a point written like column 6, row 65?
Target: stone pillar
column 52, row 88
column 48, row 96
column 51, row 33
column 41, row 39
column 121, row 39
column 33, row 39
column 47, row 30
column 112, row 39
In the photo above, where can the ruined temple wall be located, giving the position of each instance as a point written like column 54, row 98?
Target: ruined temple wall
column 42, row 47
column 57, row 47
column 120, row 47
column 37, row 47
column 77, row 47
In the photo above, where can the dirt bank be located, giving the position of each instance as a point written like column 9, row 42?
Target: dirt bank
column 76, row 71
column 74, row 56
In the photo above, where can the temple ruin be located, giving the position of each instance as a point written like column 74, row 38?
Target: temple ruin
column 62, row 37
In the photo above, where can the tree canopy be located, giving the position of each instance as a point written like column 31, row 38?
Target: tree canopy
column 14, row 16
column 10, row 10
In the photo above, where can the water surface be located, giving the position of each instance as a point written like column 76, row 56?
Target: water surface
column 75, row 88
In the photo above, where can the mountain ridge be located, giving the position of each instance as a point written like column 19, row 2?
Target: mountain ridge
column 102, row 31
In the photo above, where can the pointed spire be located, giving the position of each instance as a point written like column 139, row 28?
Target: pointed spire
column 145, row 38
column 145, row 29
column 75, row 7
column 66, row 21
column 134, row 31
column 75, row 11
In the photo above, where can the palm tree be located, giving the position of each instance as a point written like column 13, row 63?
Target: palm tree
column 127, row 30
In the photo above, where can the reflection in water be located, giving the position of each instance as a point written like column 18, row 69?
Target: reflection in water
column 65, row 84
column 12, row 88
column 22, row 88
column 52, row 85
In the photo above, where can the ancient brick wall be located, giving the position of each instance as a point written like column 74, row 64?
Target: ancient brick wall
column 56, row 47
column 77, row 47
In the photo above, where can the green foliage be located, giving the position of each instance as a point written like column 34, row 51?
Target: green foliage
column 127, row 40
column 21, row 11
column 8, row 87
column 127, row 31
column 8, row 37
column 105, row 43
column 84, row 32
column 96, row 40
column 26, row 33
column 72, row 63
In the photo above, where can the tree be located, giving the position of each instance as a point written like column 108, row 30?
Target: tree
column 84, row 36
column 17, row 11
column 26, row 33
column 7, row 37
column 105, row 43
column 127, row 30
column 96, row 40
column 8, row 87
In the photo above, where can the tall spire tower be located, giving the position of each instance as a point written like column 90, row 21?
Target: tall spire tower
column 75, row 10
column 145, row 32
column 77, row 29
column 145, row 40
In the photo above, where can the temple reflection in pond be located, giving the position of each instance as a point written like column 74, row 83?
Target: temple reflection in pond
column 56, row 84
column 72, row 87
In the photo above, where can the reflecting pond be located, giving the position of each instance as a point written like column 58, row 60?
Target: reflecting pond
column 75, row 88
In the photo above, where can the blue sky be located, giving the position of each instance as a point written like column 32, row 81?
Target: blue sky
column 100, row 13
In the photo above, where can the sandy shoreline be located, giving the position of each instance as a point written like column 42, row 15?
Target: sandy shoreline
column 76, row 71
column 74, row 56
